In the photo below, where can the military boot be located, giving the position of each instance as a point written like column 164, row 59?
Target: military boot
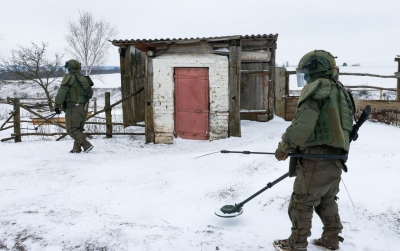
column 329, row 243
column 87, row 147
column 76, row 148
column 284, row 245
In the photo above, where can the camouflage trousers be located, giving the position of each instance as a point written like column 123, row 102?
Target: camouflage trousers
column 75, row 119
column 315, row 188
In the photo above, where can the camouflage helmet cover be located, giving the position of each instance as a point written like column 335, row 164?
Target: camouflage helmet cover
column 317, row 61
column 72, row 64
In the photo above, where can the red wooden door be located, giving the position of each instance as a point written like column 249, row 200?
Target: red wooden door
column 191, row 103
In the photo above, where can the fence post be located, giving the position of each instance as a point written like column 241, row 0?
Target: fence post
column 108, row 115
column 17, row 119
column 397, row 74
column 94, row 105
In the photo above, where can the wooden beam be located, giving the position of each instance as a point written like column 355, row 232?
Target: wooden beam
column 149, row 120
column 108, row 115
column 271, row 86
column 397, row 59
column 17, row 118
column 234, row 89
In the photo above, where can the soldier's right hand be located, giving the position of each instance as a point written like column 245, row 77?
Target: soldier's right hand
column 57, row 110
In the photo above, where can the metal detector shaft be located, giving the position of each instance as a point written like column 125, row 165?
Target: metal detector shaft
column 301, row 155
column 46, row 119
column 269, row 185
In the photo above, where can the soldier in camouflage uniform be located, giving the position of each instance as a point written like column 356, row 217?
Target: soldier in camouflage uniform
column 322, row 125
column 72, row 98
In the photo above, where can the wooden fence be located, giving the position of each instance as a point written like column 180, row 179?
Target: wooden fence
column 387, row 112
column 15, row 120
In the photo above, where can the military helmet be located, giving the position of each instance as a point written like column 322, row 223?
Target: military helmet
column 317, row 61
column 72, row 64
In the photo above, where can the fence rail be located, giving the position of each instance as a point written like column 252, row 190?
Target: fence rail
column 383, row 111
column 17, row 135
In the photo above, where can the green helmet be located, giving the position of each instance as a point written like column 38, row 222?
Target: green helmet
column 72, row 64
column 317, row 61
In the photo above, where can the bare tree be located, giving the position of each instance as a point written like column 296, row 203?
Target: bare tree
column 89, row 40
column 30, row 63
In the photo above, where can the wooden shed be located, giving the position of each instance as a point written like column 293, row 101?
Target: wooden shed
column 197, row 88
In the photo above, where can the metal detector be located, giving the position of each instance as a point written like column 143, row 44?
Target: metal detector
column 230, row 211
column 45, row 120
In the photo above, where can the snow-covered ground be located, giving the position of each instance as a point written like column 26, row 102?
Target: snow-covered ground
column 128, row 195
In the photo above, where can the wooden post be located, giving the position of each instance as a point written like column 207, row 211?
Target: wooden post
column 397, row 74
column 280, row 92
column 126, row 84
column 234, row 89
column 17, row 123
column 271, row 86
column 94, row 105
column 107, row 103
column 149, row 121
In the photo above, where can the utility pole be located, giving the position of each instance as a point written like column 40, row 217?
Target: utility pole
column 397, row 74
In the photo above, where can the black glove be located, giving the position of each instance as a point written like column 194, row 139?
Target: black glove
column 57, row 110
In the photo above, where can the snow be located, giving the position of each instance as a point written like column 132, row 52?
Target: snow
column 128, row 195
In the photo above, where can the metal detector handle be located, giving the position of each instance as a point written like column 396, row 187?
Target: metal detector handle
column 244, row 152
column 269, row 185
column 46, row 119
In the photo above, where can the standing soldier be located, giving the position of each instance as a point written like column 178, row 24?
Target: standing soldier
column 72, row 98
column 322, row 125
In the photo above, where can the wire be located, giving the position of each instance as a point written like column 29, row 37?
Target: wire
column 349, row 196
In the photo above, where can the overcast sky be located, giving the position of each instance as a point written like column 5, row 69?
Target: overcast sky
column 356, row 31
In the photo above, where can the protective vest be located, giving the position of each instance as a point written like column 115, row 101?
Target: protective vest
column 335, row 120
column 74, row 88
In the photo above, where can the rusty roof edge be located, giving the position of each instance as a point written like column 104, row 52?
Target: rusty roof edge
column 121, row 42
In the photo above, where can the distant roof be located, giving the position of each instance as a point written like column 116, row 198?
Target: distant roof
column 177, row 40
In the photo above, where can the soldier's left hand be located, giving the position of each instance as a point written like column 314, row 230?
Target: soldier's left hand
column 57, row 110
column 279, row 155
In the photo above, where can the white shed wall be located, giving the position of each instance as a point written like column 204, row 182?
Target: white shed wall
column 163, row 92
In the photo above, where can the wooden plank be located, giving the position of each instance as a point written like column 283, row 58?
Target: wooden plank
column 108, row 115
column 255, row 56
column 149, row 120
column 280, row 89
column 254, row 86
column 51, row 121
column 140, row 100
column 40, row 121
column 271, row 86
column 291, row 106
column 379, row 104
column 234, row 89
column 125, row 85
column 17, row 118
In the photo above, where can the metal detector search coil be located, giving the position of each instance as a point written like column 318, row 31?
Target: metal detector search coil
column 229, row 211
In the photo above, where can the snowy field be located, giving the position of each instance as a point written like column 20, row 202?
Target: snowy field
column 128, row 195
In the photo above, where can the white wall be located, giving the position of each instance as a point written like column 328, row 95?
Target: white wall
column 163, row 84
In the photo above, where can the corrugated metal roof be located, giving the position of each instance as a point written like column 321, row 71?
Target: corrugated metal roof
column 174, row 40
